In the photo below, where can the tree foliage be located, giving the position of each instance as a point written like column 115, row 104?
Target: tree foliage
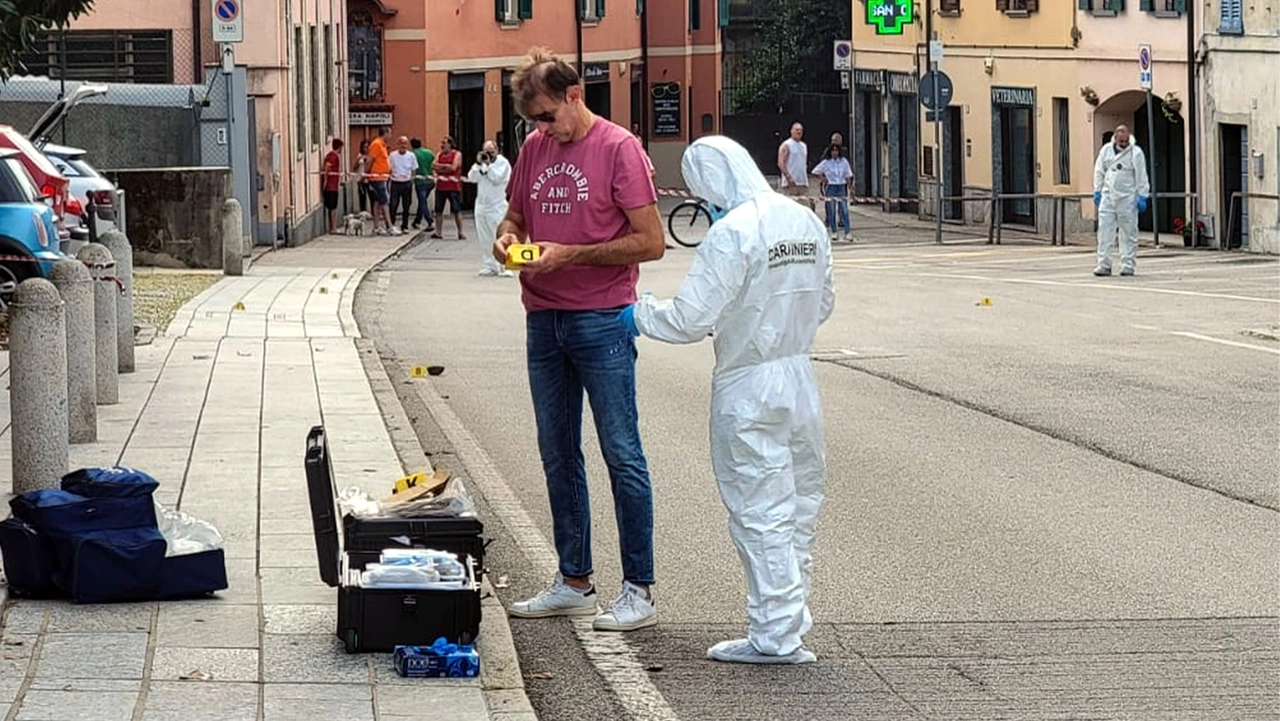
column 22, row 20
column 792, row 48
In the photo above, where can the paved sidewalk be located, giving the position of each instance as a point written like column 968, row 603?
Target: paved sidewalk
column 218, row 411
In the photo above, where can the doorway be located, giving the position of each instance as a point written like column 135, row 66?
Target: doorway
column 637, row 108
column 466, row 123
column 1234, row 151
column 598, row 98
column 1169, row 156
column 866, row 144
column 953, row 163
column 1017, row 163
column 904, row 151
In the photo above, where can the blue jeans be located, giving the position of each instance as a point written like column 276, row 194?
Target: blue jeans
column 833, row 207
column 570, row 352
column 423, row 191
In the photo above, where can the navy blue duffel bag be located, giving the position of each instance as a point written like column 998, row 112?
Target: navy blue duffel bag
column 30, row 564
column 63, row 513
column 117, row 482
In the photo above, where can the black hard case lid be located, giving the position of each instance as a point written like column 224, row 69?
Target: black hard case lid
column 324, row 506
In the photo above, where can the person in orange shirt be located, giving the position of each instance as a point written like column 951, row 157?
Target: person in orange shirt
column 379, row 173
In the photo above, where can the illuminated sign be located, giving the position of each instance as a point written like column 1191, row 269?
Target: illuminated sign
column 890, row 17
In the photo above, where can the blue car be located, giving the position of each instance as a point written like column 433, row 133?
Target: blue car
column 29, row 243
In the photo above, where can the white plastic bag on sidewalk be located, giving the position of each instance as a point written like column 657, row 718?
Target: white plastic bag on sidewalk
column 186, row 534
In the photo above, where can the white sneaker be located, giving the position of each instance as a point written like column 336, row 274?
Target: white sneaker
column 558, row 599
column 632, row 609
column 506, row 274
column 741, row 651
column 487, row 272
column 396, row 231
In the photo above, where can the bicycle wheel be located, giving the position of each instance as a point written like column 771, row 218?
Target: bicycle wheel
column 688, row 223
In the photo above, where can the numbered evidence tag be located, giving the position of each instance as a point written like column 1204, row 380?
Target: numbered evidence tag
column 520, row 253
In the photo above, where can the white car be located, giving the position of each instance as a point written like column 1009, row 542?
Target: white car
column 87, row 186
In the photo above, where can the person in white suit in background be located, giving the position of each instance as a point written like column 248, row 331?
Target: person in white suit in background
column 490, row 175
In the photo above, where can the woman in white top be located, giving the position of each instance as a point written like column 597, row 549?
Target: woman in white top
column 836, row 173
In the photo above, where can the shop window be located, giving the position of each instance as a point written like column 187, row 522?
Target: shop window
column 1231, row 17
column 1062, row 141
column 364, row 57
column 1018, row 8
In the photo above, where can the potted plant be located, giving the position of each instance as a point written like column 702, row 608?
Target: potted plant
column 1190, row 232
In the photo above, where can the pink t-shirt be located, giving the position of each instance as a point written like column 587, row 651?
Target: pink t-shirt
column 577, row 194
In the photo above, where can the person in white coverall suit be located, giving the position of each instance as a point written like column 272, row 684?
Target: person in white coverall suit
column 1120, row 190
column 490, row 174
column 761, row 280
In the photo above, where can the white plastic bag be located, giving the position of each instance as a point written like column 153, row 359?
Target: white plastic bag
column 186, row 534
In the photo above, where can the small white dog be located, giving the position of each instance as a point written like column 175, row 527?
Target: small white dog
column 357, row 223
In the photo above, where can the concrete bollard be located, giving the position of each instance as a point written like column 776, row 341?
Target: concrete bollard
column 75, row 285
column 107, row 363
column 37, row 386
column 122, row 253
column 232, row 238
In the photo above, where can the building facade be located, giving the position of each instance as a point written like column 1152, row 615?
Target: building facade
column 285, row 98
column 443, row 68
column 1239, row 73
column 1038, row 87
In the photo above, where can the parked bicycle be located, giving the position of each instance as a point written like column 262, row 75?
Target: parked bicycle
column 689, row 221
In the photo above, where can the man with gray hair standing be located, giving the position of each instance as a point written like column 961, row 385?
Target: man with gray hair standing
column 793, row 162
column 1120, row 191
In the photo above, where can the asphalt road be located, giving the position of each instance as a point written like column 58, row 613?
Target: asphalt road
column 1058, row 504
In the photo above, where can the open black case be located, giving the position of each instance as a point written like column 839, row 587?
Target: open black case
column 379, row 619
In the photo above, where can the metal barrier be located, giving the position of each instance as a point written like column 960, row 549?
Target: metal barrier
column 1224, row 243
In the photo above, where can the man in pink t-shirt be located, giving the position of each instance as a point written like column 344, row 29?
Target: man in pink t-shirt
column 581, row 190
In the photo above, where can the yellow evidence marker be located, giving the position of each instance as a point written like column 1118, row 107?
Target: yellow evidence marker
column 418, row 372
column 985, row 301
column 520, row 253
column 238, row 306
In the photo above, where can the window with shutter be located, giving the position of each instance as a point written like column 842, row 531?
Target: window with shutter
column 599, row 8
column 524, row 9
column 1114, row 5
column 949, row 7
column 1180, row 7
column 1017, row 6
column 1231, row 17
column 500, row 10
column 695, row 14
column 722, row 13
column 1031, row 5
column 1085, row 4
column 1146, row 6
column 1002, row 5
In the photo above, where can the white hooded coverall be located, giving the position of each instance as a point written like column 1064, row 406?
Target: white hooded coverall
column 1121, row 177
column 762, row 281
column 491, row 205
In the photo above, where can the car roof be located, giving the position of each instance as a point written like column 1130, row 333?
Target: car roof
column 64, row 151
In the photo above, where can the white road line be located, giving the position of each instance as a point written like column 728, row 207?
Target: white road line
column 613, row 657
column 1236, row 344
column 1109, row 286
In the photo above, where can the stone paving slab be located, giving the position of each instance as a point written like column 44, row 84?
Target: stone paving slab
column 218, row 410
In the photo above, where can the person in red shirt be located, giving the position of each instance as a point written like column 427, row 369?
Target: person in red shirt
column 448, row 170
column 329, row 182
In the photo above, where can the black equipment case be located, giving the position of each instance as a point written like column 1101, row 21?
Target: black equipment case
column 379, row 619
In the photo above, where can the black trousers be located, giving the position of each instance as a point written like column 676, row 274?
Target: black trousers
column 401, row 196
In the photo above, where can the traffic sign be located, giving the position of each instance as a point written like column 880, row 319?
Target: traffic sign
column 935, row 51
column 842, row 55
column 945, row 90
column 1144, row 66
column 228, row 21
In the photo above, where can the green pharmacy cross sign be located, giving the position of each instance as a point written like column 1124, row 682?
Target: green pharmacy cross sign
column 890, row 16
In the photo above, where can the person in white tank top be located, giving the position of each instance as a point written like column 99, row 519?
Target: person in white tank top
column 793, row 162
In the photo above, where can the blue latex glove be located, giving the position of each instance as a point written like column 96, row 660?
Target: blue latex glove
column 716, row 212
column 1097, row 198
column 1142, row 203
column 627, row 319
